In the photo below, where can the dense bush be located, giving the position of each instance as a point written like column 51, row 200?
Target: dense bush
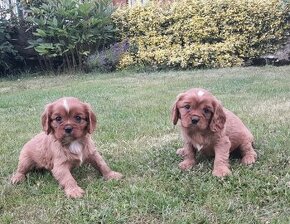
column 202, row 33
column 106, row 60
column 9, row 56
column 67, row 31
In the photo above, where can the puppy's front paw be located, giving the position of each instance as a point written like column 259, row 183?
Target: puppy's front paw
column 17, row 178
column 186, row 164
column 249, row 159
column 181, row 152
column 221, row 171
column 113, row 175
column 74, row 192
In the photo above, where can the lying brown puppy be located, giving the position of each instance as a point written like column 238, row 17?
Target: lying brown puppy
column 210, row 128
column 65, row 143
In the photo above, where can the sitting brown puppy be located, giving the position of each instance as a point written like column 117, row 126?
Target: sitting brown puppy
column 65, row 143
column 209, row 128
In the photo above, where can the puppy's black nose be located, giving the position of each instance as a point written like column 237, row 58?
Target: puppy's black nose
column 194, row 120
column 68, row 129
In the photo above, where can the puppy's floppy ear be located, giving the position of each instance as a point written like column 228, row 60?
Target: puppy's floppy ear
column 218, row 119
column 46, row 119
column 92, row 120
column 175, row 115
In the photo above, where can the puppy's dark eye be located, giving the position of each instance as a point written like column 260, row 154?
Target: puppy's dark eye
column 206, row 110
column 78, row 119
column 187, row 107
column 58, row 119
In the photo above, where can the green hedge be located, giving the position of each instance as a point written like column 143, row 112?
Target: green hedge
column 201, row 33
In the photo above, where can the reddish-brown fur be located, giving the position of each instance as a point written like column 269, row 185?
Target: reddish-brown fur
column 210, row 128
column 65, row 143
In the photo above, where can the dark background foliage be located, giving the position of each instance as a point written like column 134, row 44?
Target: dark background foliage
column 55, row 35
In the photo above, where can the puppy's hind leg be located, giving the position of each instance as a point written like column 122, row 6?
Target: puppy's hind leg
column 25, row 164
column 249, row 155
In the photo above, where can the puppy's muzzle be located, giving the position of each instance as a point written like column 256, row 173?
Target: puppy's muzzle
column 194, row 120
column 68, row 129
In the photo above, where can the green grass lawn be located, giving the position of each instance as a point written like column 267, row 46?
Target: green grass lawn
column 137, row 138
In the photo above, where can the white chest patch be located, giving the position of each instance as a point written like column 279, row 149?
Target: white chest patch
column 200, row 93
column 75, row 147
column 198, row 147
column 65, row 104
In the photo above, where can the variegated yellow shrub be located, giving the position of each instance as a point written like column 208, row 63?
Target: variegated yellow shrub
column 201, row 33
